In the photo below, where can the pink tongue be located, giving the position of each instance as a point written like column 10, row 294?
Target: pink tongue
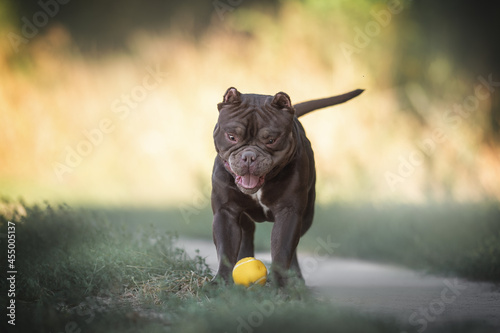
column 249, row 181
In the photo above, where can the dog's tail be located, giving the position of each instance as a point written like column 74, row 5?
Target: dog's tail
column 306, row 107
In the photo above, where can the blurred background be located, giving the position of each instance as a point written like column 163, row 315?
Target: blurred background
column 114, row 103
column 109, row 106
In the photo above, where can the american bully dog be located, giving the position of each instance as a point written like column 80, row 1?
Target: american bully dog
column 264, row 171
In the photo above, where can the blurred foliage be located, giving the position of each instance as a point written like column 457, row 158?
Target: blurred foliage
column 466, row 36
column 416, row 63
column 103, row 26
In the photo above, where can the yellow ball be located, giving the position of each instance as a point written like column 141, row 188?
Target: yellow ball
column 249, row 271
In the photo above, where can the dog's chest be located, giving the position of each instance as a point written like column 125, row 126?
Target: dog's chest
column 257, row 197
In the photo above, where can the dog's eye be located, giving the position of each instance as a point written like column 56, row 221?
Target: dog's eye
column 231, row 137
column 271, row 141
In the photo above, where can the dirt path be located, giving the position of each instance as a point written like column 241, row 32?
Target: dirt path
column 412, row 298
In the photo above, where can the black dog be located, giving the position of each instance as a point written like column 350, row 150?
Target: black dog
column 264, row 171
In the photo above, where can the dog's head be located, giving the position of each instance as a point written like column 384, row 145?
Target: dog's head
column 254, row 136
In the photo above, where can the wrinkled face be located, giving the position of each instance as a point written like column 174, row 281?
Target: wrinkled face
column 254, row 136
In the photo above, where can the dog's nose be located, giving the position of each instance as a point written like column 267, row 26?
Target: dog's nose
column 248, row 156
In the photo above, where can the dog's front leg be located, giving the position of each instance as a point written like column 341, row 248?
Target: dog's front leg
column 284, row 240
column 227, row 239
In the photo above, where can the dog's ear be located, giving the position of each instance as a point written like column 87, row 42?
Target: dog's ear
column 232, row 96
column 282, row 101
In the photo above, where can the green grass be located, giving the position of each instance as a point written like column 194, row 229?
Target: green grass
column 78, row 270
column 119, row 271
column 453, row 239
column 444, row 239
column 64, row 256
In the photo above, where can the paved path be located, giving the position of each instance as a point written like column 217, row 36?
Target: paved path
column 412, row 298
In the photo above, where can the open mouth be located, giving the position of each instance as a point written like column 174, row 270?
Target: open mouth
column 249, row 181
